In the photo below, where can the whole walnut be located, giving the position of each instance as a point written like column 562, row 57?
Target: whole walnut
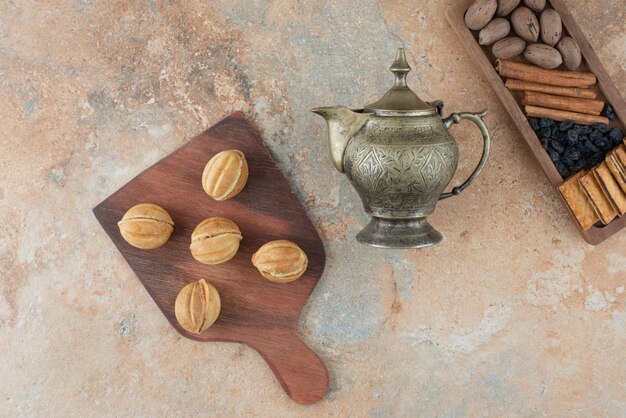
column 570, row 52
column 536, row 5
column 146, row 226
column 495, row 30
column 280, row 261
column 551, row 27
column 215, row 240
column 505, row 7
column 508, row 47
column 225, row 175
column 525, row 24
column 543, row 55
column 480, row 13
column 197, row 306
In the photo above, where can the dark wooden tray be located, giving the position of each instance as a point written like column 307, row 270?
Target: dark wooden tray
column 512, row 100
column 255, row 312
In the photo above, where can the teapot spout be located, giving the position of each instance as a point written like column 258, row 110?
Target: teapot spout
column 343, row 123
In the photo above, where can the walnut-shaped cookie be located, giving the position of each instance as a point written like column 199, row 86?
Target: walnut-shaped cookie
column 225, row 175
column 146, row 226
column 197, row 306
column 280, row 261
column 215, row 240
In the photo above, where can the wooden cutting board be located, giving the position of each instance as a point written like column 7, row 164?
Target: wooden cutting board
column 255, row 312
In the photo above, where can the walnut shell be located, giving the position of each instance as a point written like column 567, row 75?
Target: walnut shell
column 570, row 52
column 508, row 48
column 543, row 55
column 536, row 5
column 225, row 175
column 480, row 13
column 280, row 261
column 146, row 226
column 215, row 240
column 505, row 7
column 494, row 31
column 525, row 24
column 197, row 306
column 551, row 27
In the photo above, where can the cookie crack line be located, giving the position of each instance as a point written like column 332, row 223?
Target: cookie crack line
column 144, row 218
column 207, row 236
column 281, row 274
column 204, row 302
column 233, row 185
column 149, row 234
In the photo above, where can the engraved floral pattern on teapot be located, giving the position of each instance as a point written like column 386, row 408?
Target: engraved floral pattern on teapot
column 415, row 170
column 399, row 156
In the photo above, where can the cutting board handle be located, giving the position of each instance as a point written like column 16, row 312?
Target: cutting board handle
column 299, row 370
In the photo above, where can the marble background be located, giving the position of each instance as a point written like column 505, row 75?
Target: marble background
column 512, row 315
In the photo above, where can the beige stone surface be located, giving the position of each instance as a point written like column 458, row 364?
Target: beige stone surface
column 512, row 315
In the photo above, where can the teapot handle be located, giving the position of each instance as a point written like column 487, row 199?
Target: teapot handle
column 477, row 118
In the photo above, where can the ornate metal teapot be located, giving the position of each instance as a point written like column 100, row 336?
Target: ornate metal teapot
column 399, row 156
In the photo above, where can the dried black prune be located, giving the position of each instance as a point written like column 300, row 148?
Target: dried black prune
column 616, row 136
column 544, row 142
column 567, row 161
column 534, row 123
column 584, row 129
column 546, row 132
column 596, row 159
column 601, row 127
column 591, row 146
column 579, row 165
column 554, row 156
column 596, row 137
column 605, row 145
column 566, row 125
column 562, row 169
column 557, row 146
column 571, row 153
column 609, row 112
column 545, row 122
column 572, row 135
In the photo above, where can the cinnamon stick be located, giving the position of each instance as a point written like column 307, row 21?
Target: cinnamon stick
column 532, row 73
column 561, row 115
column 572, row 104
column 519, row 85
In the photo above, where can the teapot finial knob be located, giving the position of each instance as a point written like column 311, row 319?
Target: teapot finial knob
column 400, row 68
column 400, row 97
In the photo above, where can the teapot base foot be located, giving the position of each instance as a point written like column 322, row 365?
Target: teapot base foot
column 399, row 233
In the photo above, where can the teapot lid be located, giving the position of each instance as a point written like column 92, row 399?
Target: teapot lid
column 400, row 98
